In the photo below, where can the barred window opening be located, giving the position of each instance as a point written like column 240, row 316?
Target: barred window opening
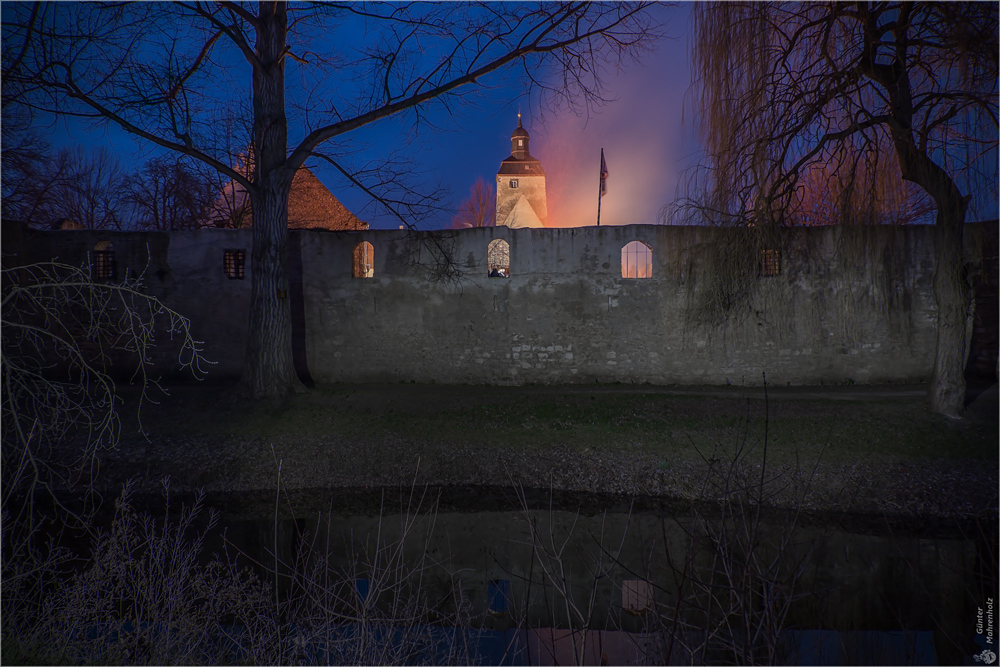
column 234, row 264
column 105, row 267
column 637, row 260
column 770, row 263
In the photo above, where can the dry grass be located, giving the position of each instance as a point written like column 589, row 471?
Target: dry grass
column 668, row 424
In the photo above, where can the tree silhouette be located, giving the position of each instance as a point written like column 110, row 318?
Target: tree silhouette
column 479, row 210
column 168, row 194
column 83, row 187
column 785, row 87
column 170, row 74
column 871, row 193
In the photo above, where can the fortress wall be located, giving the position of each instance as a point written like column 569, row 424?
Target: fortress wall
column 182, row 269
column 566, row 314
column 850, row 304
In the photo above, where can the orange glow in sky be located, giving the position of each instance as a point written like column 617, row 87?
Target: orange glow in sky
column 644, row 142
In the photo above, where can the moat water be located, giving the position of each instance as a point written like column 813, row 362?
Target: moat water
column 549, row 578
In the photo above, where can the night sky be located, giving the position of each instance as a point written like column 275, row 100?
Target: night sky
column 641, row 130
column 647, row 133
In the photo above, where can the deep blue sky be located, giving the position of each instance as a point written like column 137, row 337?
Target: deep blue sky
column 640, row 130
column 643, row 132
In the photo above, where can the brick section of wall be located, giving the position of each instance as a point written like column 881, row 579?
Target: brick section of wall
column 567, row 315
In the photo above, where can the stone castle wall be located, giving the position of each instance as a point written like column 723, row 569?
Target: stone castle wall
column 849, row 304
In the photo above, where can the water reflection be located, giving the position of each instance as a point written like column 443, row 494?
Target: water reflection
column 547, row 583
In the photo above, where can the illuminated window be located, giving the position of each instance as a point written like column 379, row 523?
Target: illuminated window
column 637, row 260
column 770, row 263
column 637, row 596
column 499, row 596
column 234, row 264
column 498, row 259
column 513, row 182
column 520, row 142
column 364, row 257
column 104, row 261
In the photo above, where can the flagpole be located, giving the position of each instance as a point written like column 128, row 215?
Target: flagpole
column 600, row 189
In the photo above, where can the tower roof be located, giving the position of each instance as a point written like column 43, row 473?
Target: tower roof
column 519, row 131
column 519, row 142
column 514, row 167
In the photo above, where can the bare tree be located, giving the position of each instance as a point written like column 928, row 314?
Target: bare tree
column 168, row 194
column 479, row 210
column 26, row 178
column 114, row 63
column 88, row 188
column 77, row 184
column 785, row 86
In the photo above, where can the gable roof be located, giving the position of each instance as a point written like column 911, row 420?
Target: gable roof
column 310, row 206
column 522, row 215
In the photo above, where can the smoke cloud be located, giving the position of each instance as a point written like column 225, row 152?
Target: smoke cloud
column 645, row 142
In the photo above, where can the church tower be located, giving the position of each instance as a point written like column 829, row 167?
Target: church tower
column 521, row 185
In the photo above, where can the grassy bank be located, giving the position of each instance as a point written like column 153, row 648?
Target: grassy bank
column 670, row 423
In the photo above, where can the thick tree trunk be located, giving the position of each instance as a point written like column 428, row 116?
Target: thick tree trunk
column 952, row 292
column 269, row 370
column 953, row 295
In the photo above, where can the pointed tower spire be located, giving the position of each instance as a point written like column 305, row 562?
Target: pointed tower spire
column 519, row 141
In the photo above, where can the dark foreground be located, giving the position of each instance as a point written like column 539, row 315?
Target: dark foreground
column 542, row 525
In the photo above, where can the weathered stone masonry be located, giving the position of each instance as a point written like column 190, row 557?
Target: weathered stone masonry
column 849, row 304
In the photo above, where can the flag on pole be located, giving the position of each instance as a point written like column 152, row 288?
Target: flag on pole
column 604, row 175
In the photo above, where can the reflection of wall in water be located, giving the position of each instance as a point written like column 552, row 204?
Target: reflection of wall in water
column 853, row 582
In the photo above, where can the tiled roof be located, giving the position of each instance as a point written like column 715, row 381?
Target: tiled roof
column 312, row 206
column 514, row 167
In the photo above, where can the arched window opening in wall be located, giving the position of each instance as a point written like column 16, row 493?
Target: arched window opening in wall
column 637, row 260
column 498, row 259
column 104, row 260
column 770, row 263
column 364, row 260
